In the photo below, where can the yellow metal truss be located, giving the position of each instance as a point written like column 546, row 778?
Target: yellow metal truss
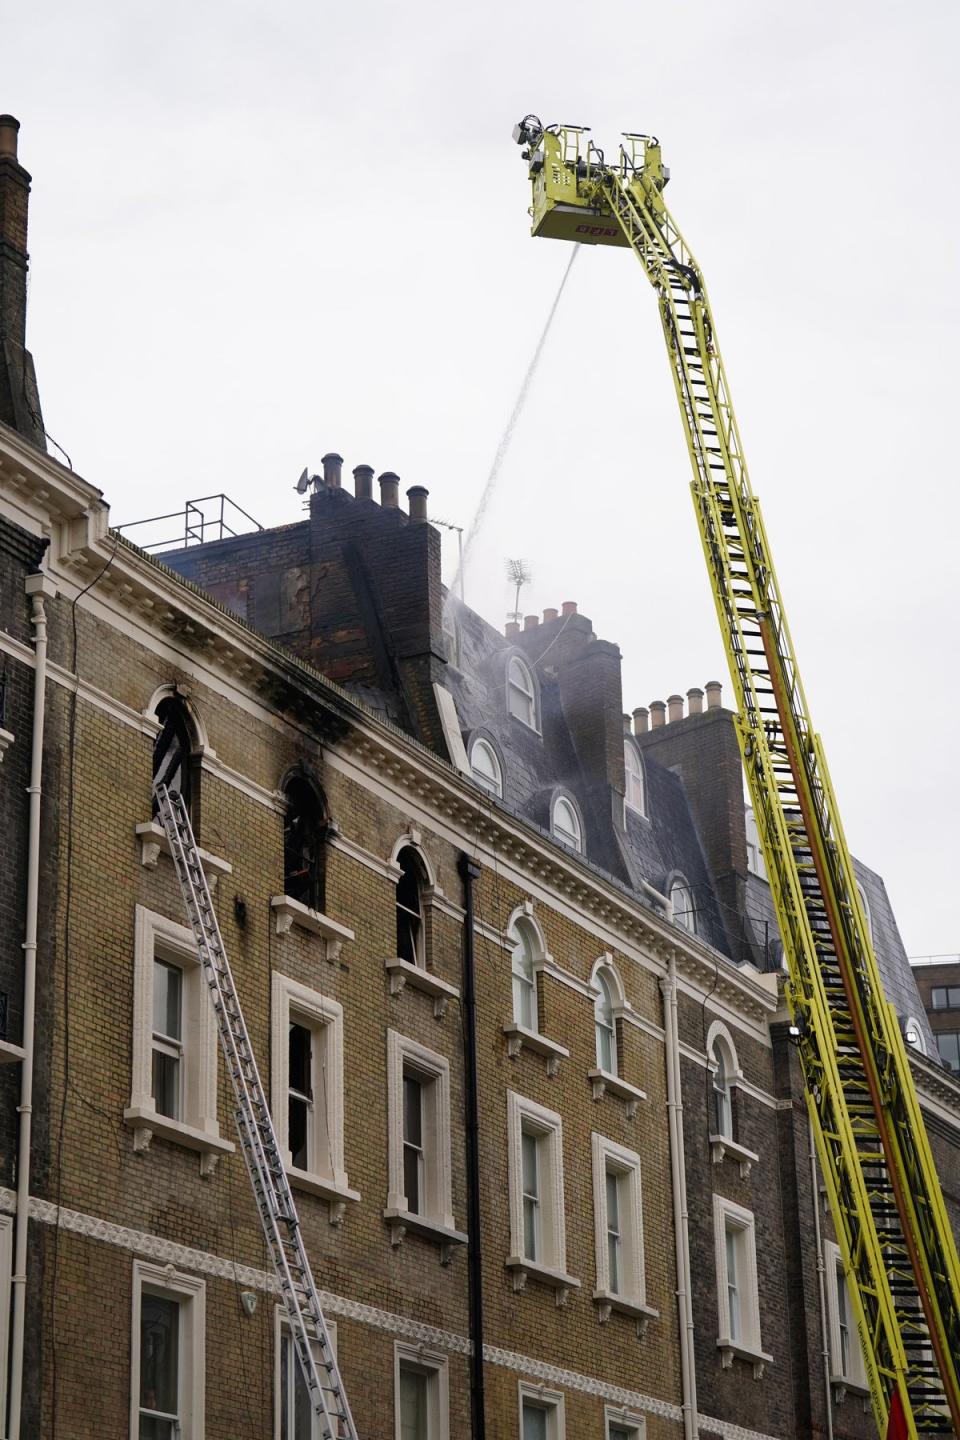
column 875, row 1157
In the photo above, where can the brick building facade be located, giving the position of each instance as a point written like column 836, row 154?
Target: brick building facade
column 370, row 763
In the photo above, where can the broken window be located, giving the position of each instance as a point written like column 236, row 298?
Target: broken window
column 304, row 843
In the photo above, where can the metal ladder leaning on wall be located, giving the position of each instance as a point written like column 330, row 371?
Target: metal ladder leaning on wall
column 258, row 1140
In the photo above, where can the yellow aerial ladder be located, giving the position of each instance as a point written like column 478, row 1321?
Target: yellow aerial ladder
column 887, row 1206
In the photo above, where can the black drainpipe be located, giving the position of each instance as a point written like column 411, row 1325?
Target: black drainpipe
column 469, row 872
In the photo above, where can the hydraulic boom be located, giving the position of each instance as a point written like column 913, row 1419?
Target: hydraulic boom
column 891, row 1222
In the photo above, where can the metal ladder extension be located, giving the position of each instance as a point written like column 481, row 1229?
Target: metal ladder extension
column 874, row 1153
column 258, row 1140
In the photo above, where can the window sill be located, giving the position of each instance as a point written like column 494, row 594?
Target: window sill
column 335, row 1192
column 730, row 1352
column 402, row 973
column 519, row 1036
column 722, row 1145
column 400, row 1221
column 7, row 738
column 10, row 1054
column 607, row 1303
column 292, row 912
column 154, row 843
column 602, row 1081
column 524, row 1270
column 846, row 1389
column 147, row 1123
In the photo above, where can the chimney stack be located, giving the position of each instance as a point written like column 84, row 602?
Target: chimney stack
column 713, row 694
column 332, row 470
column 641, row 720
column 389, row 490
column 674, row 708
column 657, row 709
column 694, row 702
column 417, row 502
column 19, row 398
column 363, row 482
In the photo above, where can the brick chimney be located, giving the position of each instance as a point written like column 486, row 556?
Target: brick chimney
column 19, row 398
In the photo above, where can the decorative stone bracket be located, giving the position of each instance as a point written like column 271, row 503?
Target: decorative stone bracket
column 290, row 912
column 519, row 1037
column 336, row 1192
column 608, row 1304
column 146, row 1123
column 722, row 1145
column 756, row 1359
column 602, row 1081
column 523, row 1270
column 154, row 843
column 448, row 1239
column 402, row 973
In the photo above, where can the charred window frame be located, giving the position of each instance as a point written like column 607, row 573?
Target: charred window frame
column 176, row 756
column 305, row 844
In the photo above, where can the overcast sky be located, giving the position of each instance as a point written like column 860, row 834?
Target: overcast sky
column 263, row 231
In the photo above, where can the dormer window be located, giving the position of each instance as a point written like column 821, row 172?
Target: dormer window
column 681, row 898
column 410, row 908
column 486, row 768
column 565, row 823
column 755, row 862
column 635, row 797
column 522, row 693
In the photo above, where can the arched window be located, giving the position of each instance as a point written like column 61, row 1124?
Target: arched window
column 522, row 693
column 523, row 957
column 913, row 1034
column 681, row 898
column 722, row 1106
column 635, row 797
column 304, row 843
column 176, row 755
column 565, row 823
column 866, row 909
column 410, row 946
column 485, row 765
column 755, row 862
column 604, row 1023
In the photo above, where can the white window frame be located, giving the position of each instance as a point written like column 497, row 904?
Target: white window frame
column 722, row 1142
column 865, row 905
column 281, row 1332
column 748, row 1343
column 433, row 1071
column 189, row 1292
column 156, row 937
column 493, row 784
column 530, row 692
column 686, row 918
column 755, row 861
column 606, row 983
column 912, row 1026
column 635, row 1425
column 6, row 1273
column 323, row 1017
column 524, row 1115
column 551, row 1401
column 633, row 771
column 856, row 1376
column 609, row 1157
column 575, row 843
column 433, row 1364
column 524, row 935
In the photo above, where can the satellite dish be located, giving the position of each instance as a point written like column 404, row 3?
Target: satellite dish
column 304, row 481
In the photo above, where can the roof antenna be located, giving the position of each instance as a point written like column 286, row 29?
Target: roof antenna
column 518, row 573
column 304, row 481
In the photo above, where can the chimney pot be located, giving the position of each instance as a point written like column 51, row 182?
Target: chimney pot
column 363, row 482
column 641, row 720
column 674, row 708
column 694, row 701
column 512, row 627
column 549, row 615
column 8, row 136
column 530, row 622
column 417, row 502
column 569, row 607
column 389, row 490
column 332, row 470
column 657, row 714
column 713, row 688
